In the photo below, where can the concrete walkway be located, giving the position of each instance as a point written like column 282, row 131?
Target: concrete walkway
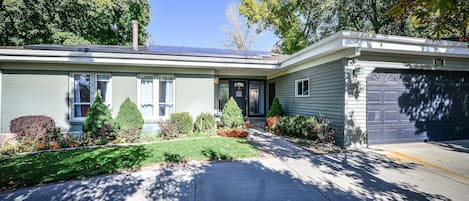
column 286, row 172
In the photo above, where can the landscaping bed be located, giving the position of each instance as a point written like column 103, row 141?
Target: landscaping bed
column 47, row 167
column 314, row 145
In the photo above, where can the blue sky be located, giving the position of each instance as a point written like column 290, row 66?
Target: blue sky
column 196, row 24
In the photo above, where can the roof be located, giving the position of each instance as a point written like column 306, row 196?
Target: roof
column 160, row 50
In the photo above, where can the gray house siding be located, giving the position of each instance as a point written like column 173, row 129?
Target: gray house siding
column 326, row 97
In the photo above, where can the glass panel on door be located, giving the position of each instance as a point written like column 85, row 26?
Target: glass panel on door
column 256, row 98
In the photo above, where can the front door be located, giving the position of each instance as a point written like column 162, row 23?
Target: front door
column 238, row 92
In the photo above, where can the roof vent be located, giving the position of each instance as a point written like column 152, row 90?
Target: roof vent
column 439, row 62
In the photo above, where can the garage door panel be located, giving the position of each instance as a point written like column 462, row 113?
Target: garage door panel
column 439, row 100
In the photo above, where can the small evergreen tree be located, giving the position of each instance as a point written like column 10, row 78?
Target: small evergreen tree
column 275, row 108
column 232, row 116
column 99, row 117
column 129, row 117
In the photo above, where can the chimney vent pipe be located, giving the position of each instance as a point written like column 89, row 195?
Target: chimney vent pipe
column 134, row 35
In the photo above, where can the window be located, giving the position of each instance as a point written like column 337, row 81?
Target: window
column 302, row 87
column 156, row 96
column 84, row 89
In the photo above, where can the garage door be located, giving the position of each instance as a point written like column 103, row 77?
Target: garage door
column 412, row 106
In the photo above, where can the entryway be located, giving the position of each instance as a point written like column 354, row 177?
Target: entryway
column 249, row 94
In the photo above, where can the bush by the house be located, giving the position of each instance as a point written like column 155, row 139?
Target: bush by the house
column 168, row 130
column 305, row 127
column 34, row 127
column 98, row 127
column 129, row 121
column 275, row 108
column 232, row 116
column 272, row 124
column 298, row 125
column 232, row 132
column 205, row 122
column 183, row 122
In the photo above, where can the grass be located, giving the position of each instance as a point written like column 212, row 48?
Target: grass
column 29, row 170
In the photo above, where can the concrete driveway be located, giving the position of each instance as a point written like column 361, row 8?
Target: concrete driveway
column 285, row 173
column 446, row 157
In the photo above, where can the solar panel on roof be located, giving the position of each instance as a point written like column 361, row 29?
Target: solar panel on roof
column 159, row 50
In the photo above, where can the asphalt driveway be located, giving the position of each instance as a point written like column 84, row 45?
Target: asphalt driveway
column 285, row 173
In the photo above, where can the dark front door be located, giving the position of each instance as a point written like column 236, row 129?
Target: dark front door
column 238, row 92
column 412, row 106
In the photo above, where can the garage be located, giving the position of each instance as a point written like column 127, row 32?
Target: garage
column 417, row 105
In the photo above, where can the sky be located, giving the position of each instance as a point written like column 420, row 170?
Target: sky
column 195, row 23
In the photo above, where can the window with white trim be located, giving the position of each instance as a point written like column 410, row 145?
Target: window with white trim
column 85, row 86
column 302, row 87
column 156, row 95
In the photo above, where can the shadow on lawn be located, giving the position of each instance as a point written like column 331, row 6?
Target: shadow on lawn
column 30, row 170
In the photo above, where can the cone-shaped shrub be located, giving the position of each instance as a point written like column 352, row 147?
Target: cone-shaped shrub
column 99, row 117
column 232, row 116
column 205, row 122
column 129, row 117
column 275, row 108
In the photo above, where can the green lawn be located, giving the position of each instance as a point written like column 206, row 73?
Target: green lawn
column 33, row 169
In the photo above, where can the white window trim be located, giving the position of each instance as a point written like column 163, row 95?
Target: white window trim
column 93, row 91
column 156, row 101
column 296, row 87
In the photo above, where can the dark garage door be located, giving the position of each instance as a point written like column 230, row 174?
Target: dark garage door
column 412, row 106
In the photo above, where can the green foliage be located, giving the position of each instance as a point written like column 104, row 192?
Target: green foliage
column 297, row 125
column 299, row 23
column 434, row 18
column 232, row 116
column 275, row 108
column 183, row 122
column 205, row 122
column 129, row 116
column 70, row 22
column 98, row 124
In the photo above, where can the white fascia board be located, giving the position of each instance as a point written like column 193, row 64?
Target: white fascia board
column 134, row 62
column 93, row 55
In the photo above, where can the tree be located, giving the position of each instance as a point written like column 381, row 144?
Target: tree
column 232, row 116
column 99, row 119
column 299, row 23
column 240, row 34
column 275, row 108
column 435, row 18
column 103, row 22
column 129, row 117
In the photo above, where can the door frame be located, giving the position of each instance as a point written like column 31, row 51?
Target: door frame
column 246, row 81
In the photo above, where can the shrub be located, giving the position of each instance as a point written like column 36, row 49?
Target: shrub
column 183, row 122
column 35, row 127
column 205, row 122
column 232, row 116
column 275, row 108
column 99, row 124
column 272, row 124
column 298, row 126
column 129, row 117
column 129, row 120
column 168, row 130
column 230, row 132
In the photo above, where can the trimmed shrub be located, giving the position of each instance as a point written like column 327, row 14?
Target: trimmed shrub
column 129, row 121
column 275, row 108
column 98, row 125
column 232, row 116
column 205, row 122
column 183, row 122
column 34, row 127
column 129, row 117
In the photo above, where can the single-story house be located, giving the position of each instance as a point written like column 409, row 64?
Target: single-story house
column 375, row 88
